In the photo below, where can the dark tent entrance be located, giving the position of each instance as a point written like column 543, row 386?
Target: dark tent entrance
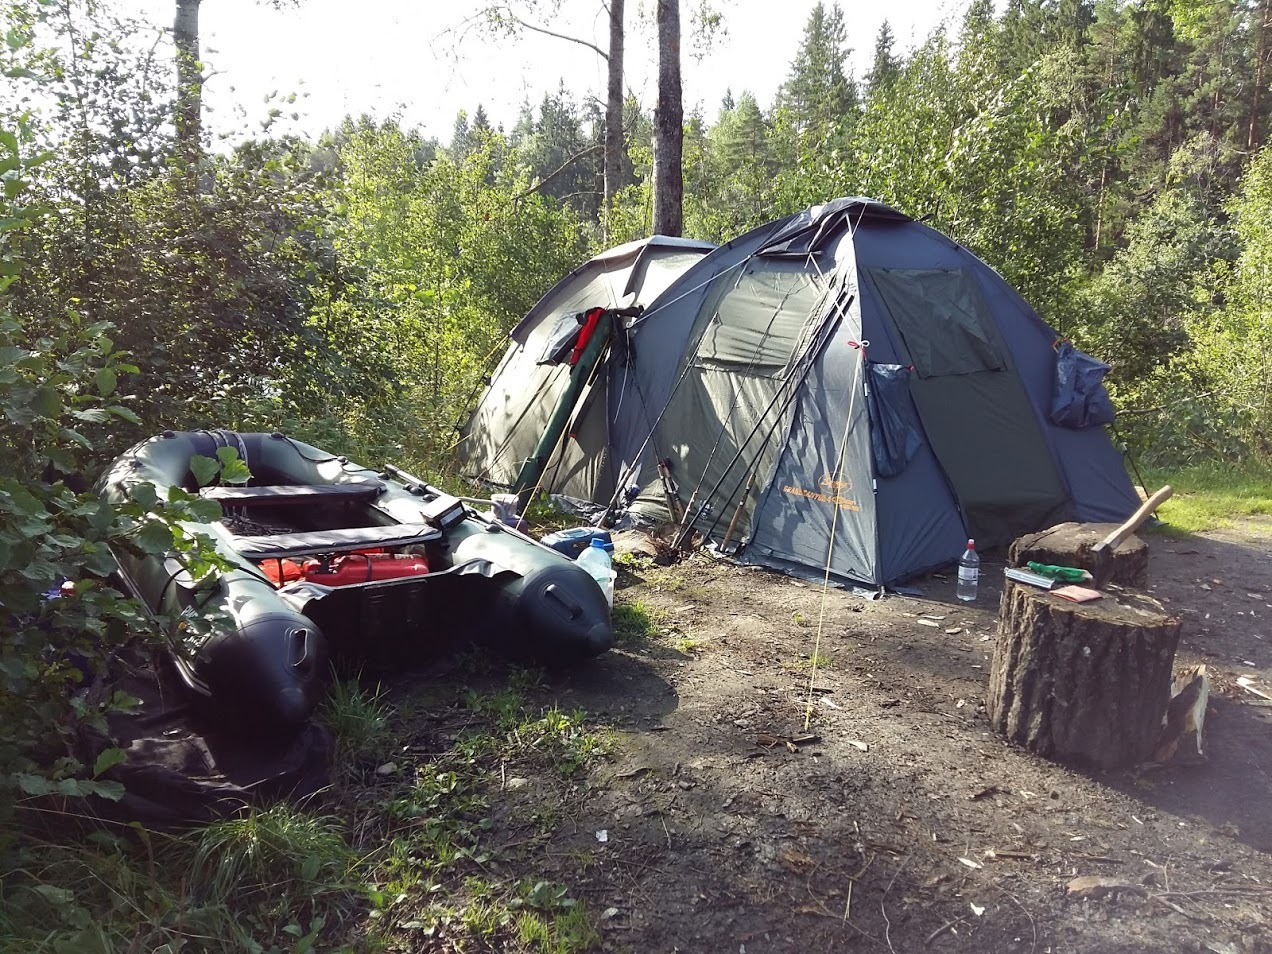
column 971, row 402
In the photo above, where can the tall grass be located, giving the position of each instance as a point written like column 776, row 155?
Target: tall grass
column 1211, row 495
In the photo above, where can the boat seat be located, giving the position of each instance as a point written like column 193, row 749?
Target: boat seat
column 366, row 490
column 281, row 546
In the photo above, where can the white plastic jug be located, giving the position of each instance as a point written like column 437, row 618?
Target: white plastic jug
column 596, row 560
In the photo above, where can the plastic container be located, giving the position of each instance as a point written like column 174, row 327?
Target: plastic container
column 598, row 563
column 574, row 541
column 968, row 573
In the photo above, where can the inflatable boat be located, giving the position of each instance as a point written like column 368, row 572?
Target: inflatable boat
column 329, row 562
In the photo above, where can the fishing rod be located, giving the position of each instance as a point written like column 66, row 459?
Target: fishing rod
column 789, row 398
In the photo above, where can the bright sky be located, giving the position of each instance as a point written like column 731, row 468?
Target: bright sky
column 403, row 57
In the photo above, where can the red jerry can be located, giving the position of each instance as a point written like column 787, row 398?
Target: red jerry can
column 365, row 568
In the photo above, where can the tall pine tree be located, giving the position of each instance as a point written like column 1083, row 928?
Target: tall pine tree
column 819, row 92
column 886, row 65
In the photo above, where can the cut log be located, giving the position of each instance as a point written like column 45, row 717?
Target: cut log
column 1084, row 683
column 1070, row 544
column 1183, row 731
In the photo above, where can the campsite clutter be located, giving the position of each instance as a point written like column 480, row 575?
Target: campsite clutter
column 819, row 396
column 736, row 768
column 846, row 393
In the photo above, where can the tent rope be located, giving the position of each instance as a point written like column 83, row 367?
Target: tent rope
column 834, row 523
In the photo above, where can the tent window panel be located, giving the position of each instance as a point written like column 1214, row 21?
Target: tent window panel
column 942, row 318
column 604, row 290
column 759, row 322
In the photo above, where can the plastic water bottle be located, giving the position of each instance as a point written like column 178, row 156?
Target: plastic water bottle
column 968, row 572
column 596, row 560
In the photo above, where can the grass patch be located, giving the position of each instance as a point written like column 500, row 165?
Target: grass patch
column 633, row 561
column 805, row 663
column 1211, row 495
column 560, row 738
column 687, row 644
column 409, row 859
column 672, row 582
column 635, row 620
column 566, row 932
column 244, row 884
column 359, row 720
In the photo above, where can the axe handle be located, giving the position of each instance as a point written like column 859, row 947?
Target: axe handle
column 1114, row 539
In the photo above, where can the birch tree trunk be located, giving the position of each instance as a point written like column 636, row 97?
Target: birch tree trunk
column 189, row 118
column 668, row 125
column 613, row 113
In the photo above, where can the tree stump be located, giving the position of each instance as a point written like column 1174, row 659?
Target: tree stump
column 1085, row 683
column 1070, row 544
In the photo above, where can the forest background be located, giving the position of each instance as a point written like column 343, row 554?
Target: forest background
column 1106, row 156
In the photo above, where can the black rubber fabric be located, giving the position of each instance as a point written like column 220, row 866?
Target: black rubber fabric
column 182, row 771
column 277, row 494
column 284, row 545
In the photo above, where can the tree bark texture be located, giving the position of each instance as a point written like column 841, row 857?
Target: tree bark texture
column 669, row 125
column 1070, row 544
column 613, row 161
column 185, row 35
column 1084, row 683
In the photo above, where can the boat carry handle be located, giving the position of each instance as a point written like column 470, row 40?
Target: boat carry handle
column 572, row 606
column 300, row 648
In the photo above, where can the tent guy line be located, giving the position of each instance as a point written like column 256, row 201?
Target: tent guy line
column 862, row 346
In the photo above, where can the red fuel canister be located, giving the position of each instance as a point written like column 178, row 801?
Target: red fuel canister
column 365, row 568
column 281, row 572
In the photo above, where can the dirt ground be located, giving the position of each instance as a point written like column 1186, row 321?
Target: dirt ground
column 905, row 824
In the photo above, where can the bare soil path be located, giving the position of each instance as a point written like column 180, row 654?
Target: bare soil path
column 894, row 820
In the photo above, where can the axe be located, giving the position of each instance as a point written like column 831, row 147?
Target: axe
column 1102, row 552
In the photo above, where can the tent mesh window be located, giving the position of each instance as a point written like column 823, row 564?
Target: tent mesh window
column 942, row 318
column 759, row 322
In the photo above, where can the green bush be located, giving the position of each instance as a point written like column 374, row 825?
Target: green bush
column 61, row 619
